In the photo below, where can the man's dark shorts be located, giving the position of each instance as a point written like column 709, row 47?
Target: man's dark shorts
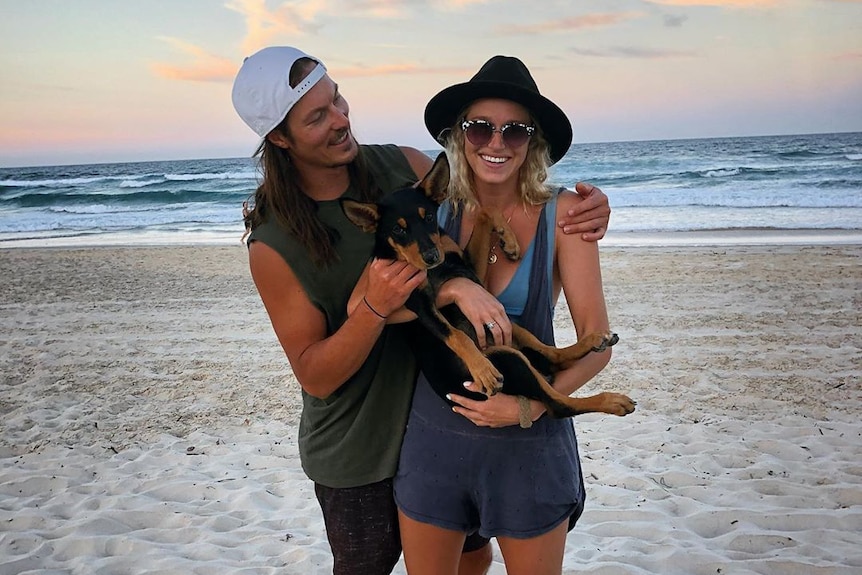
column 362, row 528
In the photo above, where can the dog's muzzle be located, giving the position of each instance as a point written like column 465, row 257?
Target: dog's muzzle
column 432, row 258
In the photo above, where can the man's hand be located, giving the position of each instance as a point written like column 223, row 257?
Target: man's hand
column 590, row 216
column 390, row 283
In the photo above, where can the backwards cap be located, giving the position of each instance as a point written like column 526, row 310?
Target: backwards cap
column 262, row 95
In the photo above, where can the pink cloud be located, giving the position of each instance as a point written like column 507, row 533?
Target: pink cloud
column 719, row 3
column 461, row 3
column 393, row 70
column 286, row 19
column 574, row 23
column 377, row 8
column 203, row 67
column 848, row 56
column 635, row 53
column 262, row 26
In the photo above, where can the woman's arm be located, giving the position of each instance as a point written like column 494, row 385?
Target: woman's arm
column 322, row 364
column 479, row 307
column 579, row 271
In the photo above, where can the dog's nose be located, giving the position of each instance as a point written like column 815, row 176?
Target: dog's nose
column 431, row 256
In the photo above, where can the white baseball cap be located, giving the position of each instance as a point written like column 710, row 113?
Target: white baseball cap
column 262, row 95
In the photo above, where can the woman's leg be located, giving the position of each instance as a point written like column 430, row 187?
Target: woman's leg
column 542, row 555
column 429, row 550
column 476, row 562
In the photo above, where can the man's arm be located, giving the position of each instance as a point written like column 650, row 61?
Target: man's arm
column 418, row 161
column 322, row 362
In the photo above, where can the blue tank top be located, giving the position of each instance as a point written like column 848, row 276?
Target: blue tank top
column 514, row 296
column 528, row 298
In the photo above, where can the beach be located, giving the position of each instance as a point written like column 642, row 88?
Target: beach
column 149, row 416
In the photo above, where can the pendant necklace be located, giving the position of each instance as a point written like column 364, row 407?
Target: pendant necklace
column 492, row 255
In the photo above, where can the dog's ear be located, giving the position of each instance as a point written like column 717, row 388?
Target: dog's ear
column 435, row 184
column 363, row 215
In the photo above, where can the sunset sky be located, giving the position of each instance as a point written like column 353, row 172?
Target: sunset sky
column 102, row 81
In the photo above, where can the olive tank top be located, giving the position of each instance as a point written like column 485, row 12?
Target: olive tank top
column 352, row 437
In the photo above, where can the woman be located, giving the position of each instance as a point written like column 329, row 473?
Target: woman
column 499, row 466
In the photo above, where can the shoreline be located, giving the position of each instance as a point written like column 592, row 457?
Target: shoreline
column 733, row 237
column 714, row 237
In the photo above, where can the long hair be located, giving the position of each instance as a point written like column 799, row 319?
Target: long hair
column 531, row 176
column 279, row 196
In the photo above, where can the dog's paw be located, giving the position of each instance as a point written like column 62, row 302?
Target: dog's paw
column 601, row 341
column 509, row 245
column 617, row 403
column 489, row 379
column 509, row 242
column 512, row 250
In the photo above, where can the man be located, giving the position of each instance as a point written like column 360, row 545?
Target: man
column 355, row 371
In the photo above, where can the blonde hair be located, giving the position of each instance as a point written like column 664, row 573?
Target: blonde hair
column 531, row 176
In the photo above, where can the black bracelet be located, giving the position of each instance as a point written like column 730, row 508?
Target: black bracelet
column 374, row 311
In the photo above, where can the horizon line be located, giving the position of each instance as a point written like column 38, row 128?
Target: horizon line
column 427, row 150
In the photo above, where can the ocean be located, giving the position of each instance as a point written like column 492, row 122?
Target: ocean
column 785, row 184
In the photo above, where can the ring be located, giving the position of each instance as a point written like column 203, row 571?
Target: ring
column 490, row 325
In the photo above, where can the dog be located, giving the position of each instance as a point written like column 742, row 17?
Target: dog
column 406, row 228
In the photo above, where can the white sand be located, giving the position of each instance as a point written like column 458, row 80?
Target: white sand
column 149, row 417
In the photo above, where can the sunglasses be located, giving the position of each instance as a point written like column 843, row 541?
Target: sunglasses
column 480, row 132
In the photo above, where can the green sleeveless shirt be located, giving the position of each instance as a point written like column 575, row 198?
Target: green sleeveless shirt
column 352, row 437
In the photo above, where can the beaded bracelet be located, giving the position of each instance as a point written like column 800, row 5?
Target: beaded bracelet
column 525, row 415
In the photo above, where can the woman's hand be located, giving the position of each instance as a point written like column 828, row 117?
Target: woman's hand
column 499, row 410
column 590, row 216
column 481, row 309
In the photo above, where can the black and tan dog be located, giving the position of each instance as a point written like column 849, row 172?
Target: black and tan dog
column 406, row 228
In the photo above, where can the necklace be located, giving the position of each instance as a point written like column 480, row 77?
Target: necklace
column 492, row 254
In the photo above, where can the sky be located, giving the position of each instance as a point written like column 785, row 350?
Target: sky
column 90, row 81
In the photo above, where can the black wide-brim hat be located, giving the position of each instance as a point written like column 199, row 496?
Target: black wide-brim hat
column 507, row 78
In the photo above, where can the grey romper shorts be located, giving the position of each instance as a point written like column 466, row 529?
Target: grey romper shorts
column 508, row 482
